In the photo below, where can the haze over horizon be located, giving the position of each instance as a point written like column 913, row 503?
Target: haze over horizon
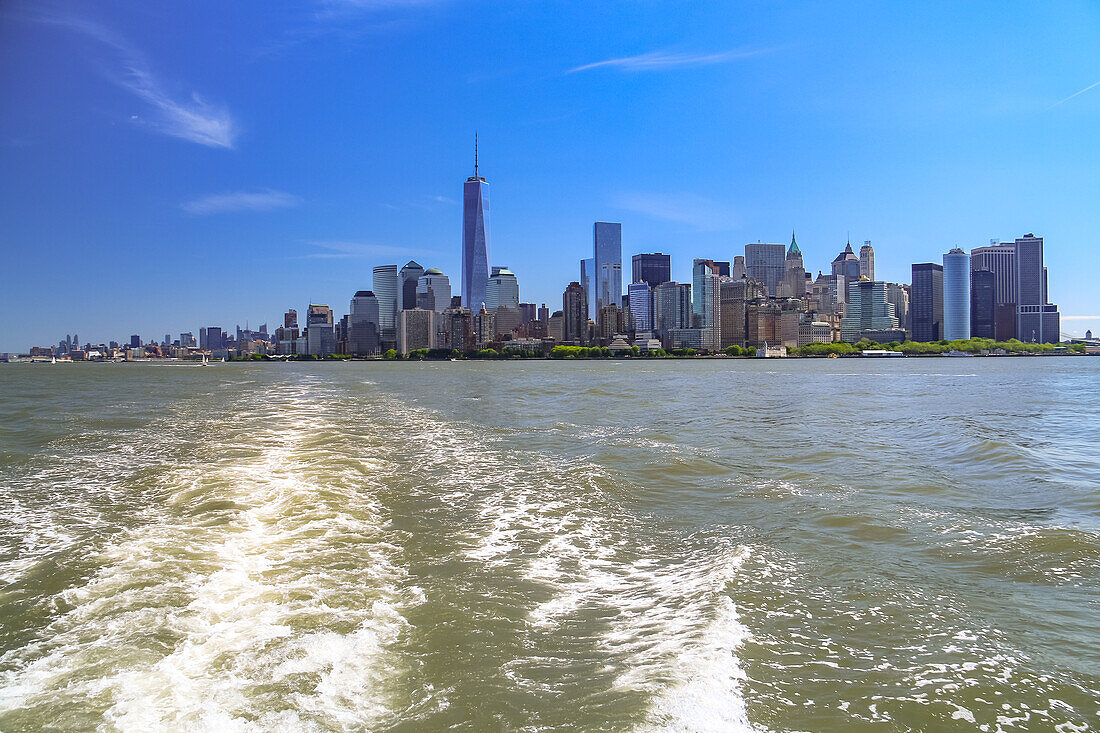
column 210, row 165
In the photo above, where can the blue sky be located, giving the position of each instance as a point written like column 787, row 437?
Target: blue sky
column 169, row 166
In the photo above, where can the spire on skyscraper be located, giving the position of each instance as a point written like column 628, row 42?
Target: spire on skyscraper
column 475, row 154
column 794, row 245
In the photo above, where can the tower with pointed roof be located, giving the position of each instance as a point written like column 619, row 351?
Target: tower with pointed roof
column 794, row 272
column 475, row 237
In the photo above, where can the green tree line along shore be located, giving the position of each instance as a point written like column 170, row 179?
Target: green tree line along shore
column 909, row 348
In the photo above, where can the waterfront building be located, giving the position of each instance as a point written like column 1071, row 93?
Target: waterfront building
column 766, row 263
column 734, row 295
column 386, row 290
column 434, row 289
column 926, row 302
column 1000, row 259
column 1037, row 319
column 475, row 238
column 683, row 338
column 739, row 270
column 794, row 273
column 456, row 328
column 574, row 313
column 673, row 306
column 555, row 326
column 640, row 296
column 867, row 261
column 364, row 334
column 320, row 333
column 135, row 340
column 416, row 329
column 706, row 302
column 764, row 321
column 187, row 340
column 607, row 251
column 502, row 290
column 485, row 329
column 610, row 323
column 956, row 295
column 847, row 264
column 814, row 332
column 651, row 268
column 868, row 310
column 983, row 304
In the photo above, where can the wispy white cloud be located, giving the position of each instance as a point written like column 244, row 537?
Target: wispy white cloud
column 1075, row 94
column 1081, row 318
column 668, row 60
column 335, row 250
column 221, row 203
column 189, row 118
column 694, row 211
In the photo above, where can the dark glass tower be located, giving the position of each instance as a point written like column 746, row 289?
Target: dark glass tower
column 475, row 238
column 926, row 304
column 983, row 301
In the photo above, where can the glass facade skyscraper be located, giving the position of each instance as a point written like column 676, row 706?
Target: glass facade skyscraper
column 363, row 331
column 651, row 268
column 956, row 295
column 475, row 239
column 1037, row 319
column 607, row 251
column 926, row 303
column 385, row 289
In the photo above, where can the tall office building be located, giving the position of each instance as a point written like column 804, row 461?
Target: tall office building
column 1037, row 319
column 641, row 305
column 700, row 269
column 956, row 295
column 574, row 308
column 983, row 304
column 416, row 329
column 735, row 295
column 320, row 333
column 588, row 283
column 528, row 312
column 673, row 306
column 475, row 238
column 868, row 310
column 867, row 261
column 502, row 290
column 407, row 280
column 706, row 302
column 607, row 251
column 926, row 302
column 364, row 335
column 386, row 290
column 794, row 273
column 651, row 268
column 848, row 265
column 433, row 290
column 766, row 263
column 898, row 296
column 1000, row 259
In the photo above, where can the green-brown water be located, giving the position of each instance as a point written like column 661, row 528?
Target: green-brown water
column 677, row 545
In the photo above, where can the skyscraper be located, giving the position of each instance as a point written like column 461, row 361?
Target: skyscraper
column 673, row 306
column 588, row 283
column 607, row 251
column 926, row 302
column 867, row 261
column 363, row 328
column 435, row 284
column 386, row 290
column 502, row 290
column 407, row 281
column 1000, row 259
column 848, row 265
column 1037, row 319
column 652, row 269
column 868, row 310
column 700, row 269
column 956, row 295
column 983, row 304
column 320, row 334
column 475, row 238
column 738, row 270
column 794, row 273
column 766, row 263
column 575, row 313
column 641, row 305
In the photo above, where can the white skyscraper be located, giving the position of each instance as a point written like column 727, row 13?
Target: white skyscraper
column 956, row 295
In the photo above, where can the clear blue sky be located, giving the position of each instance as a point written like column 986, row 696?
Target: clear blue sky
column 165, row 166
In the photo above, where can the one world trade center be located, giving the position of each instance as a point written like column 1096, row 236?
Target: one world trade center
column 475, row 239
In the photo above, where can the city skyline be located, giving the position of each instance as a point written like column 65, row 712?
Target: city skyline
column 149, row 169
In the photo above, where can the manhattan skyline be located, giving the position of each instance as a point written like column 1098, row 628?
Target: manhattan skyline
column 149, row 187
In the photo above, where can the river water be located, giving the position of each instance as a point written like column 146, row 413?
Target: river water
column 703, row 545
